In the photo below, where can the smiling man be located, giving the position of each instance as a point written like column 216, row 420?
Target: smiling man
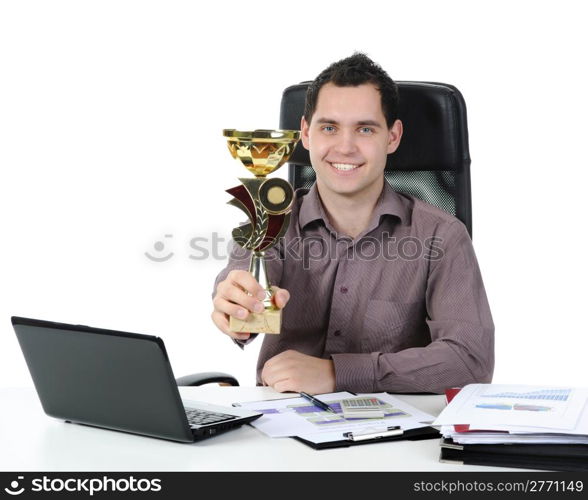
column 377, row 320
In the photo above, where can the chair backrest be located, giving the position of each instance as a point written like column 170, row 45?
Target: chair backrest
column 433, row 160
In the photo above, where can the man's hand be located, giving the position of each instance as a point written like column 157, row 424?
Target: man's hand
column 232, row 299
column 294, row 371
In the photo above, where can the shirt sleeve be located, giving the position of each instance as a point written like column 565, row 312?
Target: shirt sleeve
column 460, row 324
column 239, row 258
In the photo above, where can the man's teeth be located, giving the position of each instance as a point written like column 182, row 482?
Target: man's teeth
column 344, row 166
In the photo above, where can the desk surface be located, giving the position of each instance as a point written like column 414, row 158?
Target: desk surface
column 32, row 441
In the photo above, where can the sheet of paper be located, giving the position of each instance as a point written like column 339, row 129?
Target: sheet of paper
column 290, row 416
column 533, row 407
column 580, row 429
column 329, row 436
column 297, row 417
column 522, row 439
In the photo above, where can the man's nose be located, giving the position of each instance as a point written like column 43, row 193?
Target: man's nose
column 346, row 144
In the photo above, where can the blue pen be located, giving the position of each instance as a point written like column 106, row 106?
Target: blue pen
column 316, row 402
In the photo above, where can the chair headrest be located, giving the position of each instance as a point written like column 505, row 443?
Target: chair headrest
column 435, row 126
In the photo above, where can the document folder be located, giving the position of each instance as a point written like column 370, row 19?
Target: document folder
column 556, row 457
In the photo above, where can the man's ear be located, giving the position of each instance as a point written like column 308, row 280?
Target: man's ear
column 304, row 126
column 394, row 136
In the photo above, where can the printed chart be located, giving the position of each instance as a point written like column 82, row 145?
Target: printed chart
column 543, row 394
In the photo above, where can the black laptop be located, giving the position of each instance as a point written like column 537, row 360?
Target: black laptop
column 115, row 380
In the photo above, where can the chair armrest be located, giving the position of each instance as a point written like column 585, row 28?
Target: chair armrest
column 207, row 378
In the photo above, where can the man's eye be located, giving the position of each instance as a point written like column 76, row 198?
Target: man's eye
column 365, row 130
column 328, row 128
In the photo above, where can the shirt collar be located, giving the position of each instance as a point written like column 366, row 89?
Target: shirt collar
column 389, row 203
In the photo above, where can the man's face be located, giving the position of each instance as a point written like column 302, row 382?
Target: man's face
column 349, row 140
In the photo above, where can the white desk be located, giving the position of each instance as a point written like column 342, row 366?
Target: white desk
column 32, row 441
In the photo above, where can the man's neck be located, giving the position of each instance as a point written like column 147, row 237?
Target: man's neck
column 350, row 215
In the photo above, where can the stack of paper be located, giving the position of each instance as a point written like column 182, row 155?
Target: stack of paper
column 540, row 423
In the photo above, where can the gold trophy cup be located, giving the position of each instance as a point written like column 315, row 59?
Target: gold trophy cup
column 267, row 204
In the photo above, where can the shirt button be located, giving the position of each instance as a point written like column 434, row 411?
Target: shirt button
column 336, row 333
column 344, row 289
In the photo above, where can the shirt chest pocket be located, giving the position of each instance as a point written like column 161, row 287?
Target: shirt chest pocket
column 391, row 326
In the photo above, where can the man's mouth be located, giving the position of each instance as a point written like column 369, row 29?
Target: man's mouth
column 345, row 167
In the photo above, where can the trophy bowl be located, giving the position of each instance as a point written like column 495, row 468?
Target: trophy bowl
column 261, row 151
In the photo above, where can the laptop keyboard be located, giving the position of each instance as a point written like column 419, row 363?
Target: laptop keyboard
column 202, row 417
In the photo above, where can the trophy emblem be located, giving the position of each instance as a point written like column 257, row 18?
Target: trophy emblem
column 267, row 204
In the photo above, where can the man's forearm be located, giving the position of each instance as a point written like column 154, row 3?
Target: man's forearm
column 434, row 368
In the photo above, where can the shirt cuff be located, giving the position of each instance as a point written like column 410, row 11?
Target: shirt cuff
column 243, row 343
column 354, row 372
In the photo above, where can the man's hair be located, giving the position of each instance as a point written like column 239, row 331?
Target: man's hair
column 352, row 72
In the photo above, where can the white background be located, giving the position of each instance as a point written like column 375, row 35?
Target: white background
column 110, row 138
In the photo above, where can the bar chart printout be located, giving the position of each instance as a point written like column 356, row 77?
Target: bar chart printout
column 542, row 394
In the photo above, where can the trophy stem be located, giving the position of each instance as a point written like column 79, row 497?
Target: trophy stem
column 259, row 272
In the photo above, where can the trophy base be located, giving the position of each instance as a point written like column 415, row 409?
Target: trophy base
column 268, row 321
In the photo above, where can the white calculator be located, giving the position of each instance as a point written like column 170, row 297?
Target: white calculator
column 362, row 408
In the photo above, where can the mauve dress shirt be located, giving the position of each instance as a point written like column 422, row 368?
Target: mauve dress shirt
column 400, row 308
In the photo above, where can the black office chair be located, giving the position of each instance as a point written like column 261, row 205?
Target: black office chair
column 432, row 162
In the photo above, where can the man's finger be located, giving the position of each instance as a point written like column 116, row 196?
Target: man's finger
column 274, row 378
column 239, row 297
column 284, row 386
column 247, row 282
column 225, row 307
column 281, row 297
column 269, row 374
